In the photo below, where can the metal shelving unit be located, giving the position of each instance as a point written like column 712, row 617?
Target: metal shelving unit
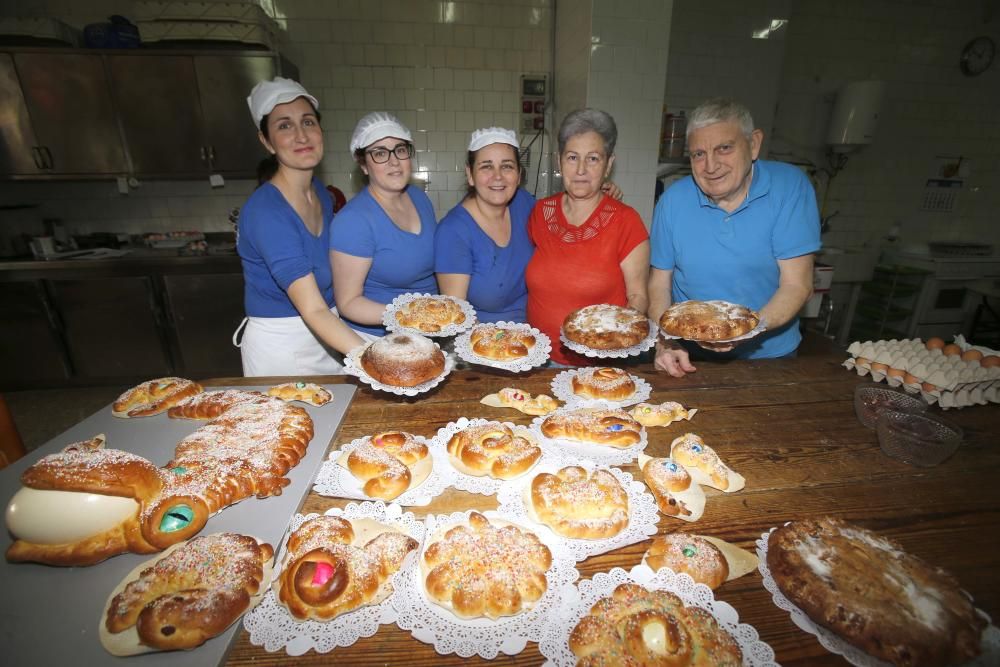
column 887, row 303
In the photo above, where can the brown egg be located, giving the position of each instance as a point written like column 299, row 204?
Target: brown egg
column 990, row 361
column 881, row 368
column 896, row 373
column 910, row 378
column 862, row 361
column 950, row 350
column 972, row 355
column 934, row 343
column 928, row 387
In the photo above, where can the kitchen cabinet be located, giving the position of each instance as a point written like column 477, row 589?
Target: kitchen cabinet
column 30, row 344
column 203, row 311
column 179, row 113
column 152, row 114
column 112, row 327
column 69, row 104
column 18, row 152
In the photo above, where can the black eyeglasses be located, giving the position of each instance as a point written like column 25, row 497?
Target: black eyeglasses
column 381, row 155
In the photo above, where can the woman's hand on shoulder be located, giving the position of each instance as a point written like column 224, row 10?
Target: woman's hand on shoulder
column 612, row 190
column 673, row 359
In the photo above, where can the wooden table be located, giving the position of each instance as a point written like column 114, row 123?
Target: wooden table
column 788, row 426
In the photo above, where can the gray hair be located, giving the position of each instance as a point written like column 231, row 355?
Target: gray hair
column 582, row 121
column 720, row 110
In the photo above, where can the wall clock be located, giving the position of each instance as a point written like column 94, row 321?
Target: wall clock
column 977, row 56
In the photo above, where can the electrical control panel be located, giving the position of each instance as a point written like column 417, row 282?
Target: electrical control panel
column 534, row 92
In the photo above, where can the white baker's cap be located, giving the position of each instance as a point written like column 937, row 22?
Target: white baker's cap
column 377, row 125
column 492, row 135
column 268, row 94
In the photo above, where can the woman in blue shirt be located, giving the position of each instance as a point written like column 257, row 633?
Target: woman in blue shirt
column 382, row 241
column 284, row 228
column 482, row 247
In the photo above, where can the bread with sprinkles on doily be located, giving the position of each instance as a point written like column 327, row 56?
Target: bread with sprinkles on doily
column 327, row 572
column 635, row 626
column 708, row 320
column 579, row 504
column 869, row 591
column 485, row 569
column 403, row 360
column 606, row 327
column 614, row 428
column 188, row 595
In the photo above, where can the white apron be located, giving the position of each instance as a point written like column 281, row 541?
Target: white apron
column 284, row 346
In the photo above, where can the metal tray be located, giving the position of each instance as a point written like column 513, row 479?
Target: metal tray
column 50, row 614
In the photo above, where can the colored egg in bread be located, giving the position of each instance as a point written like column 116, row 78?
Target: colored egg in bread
column 934, row 343
column 990, row 361
column 951, row 350
column 64, row 517
column 972, row 355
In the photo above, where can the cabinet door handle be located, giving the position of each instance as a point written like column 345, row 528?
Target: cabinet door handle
column 204, row 154
column 211, row 153
column 36, row 155
column 49, row 164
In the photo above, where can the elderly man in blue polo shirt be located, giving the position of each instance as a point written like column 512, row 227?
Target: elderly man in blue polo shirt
column 739, row 229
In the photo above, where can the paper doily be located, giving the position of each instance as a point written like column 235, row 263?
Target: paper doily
column 642, row 512
column 432, row 624
column 835, row 644
column 352, row 366
column 336, row 481
column 390, row 322
column 573, row 450
column 537, row 355
column 562, row 388
column 645, row 344
column 271, row 626
column 485, row 485
column 555, row 645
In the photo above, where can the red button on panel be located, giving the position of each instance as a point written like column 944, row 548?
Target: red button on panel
column 526, row 106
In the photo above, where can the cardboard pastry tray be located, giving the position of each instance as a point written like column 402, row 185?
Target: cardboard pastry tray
column 50, row 614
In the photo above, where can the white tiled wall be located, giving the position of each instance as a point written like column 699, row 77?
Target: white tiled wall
column 713, row 53
column 930, row 109
column 628, row 63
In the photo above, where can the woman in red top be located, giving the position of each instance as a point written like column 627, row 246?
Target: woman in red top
column 589, row 248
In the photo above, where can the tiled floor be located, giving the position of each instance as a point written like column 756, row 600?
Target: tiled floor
column 42, row 414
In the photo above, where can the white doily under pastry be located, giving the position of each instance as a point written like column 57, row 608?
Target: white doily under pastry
column 642, row 513
column 835, row 644
column 432, row 624
column 645, row 344
column 573, row 450
column 336, row 481
column 555, row 645
column 537, row 355
column 352, row 366
column 271, row 626
column 390, row 322
column 485, row 485
column 562, row 388
column 756, row 331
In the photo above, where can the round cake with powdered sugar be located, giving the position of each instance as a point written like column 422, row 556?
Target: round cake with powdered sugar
column 870, row 592
column 611, row 384
column 606, row 327
column 403, row 360
column 708, row 320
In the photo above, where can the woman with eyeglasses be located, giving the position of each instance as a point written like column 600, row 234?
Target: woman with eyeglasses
column 382, row 241
column 589, row 248
column 283, row 242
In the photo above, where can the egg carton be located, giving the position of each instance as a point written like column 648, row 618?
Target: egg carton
column 945, row 379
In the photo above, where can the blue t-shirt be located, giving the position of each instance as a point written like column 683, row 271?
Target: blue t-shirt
column 733, row 256
column 401, row 262
column 277, row 249
column 496, row 285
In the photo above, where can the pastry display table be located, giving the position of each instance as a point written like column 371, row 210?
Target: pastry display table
column 787, row 425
